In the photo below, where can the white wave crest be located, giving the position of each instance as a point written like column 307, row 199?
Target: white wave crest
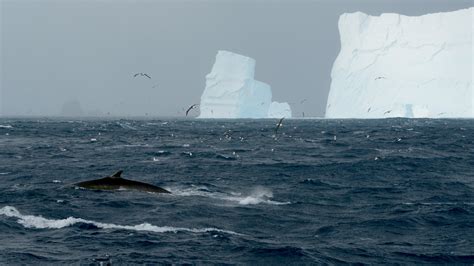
column 126, row 126
column 5, row 126
column 256, row 196
column 39, row 222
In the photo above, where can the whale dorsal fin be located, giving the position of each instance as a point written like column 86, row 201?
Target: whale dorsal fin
column 118, row 174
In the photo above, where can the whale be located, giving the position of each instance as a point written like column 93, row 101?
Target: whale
column 116, row 182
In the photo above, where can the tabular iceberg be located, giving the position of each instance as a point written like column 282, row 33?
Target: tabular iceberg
column 232, row 92
column 401, row 66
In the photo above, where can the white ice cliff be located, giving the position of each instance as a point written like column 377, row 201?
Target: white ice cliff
column 279, row 110
column 400, row 66
column 232, row 92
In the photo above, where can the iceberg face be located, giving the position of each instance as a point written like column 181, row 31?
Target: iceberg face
column 400, row 66
column 232, row 92
column 279, row 110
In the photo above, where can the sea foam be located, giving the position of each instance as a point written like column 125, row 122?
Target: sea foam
column 258, row 195
column 39, row 222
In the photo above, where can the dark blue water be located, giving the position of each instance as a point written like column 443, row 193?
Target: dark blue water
column 323, row 191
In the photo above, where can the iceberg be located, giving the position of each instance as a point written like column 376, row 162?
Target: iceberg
column 232, row 92
column 279, row 110
column 72, row 108
column 400, row 66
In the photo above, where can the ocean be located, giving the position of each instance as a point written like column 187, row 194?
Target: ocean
column 390, row 191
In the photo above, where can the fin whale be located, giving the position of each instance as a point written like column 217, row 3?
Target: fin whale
column 115, row 182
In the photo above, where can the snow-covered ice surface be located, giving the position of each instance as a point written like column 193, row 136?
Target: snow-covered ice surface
column 232, row 92
column 399, row 66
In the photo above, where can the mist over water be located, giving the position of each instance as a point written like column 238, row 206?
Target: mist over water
column 322, row 191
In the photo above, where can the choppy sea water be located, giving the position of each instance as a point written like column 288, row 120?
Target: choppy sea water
column 321, row 191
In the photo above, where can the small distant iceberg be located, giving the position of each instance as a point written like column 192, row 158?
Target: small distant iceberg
column 232, row 92
column 72, row 108
column 279, row 110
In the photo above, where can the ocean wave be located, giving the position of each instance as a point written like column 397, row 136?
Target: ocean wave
column 126, row 126
column 39, row 222
column 438, row 203
column 6, row 126
column 257, row 195
column 122, row 146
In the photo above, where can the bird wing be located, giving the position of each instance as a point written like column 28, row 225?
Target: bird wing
column 189, row 109
column 278, row 125
column 146, row 75
column 276, row 129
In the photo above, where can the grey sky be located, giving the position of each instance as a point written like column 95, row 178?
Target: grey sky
column 53, row 52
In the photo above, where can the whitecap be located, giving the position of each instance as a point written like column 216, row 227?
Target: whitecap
column 257, row 196
column 39, row 222
column 126, row 126
column 6, row 126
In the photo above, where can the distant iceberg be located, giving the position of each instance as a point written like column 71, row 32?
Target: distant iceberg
column 232, row 92
column 72, row 108
column 279, row 110
column 400, row 66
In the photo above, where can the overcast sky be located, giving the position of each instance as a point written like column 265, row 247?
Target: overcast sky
column 53, row 52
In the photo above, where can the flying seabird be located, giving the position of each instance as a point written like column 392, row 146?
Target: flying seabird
column 387, row 112
column 278, row 125
column 190, row 108
column 380, row 78
column 142, row 74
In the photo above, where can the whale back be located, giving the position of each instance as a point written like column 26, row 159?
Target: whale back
column 116, row 182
